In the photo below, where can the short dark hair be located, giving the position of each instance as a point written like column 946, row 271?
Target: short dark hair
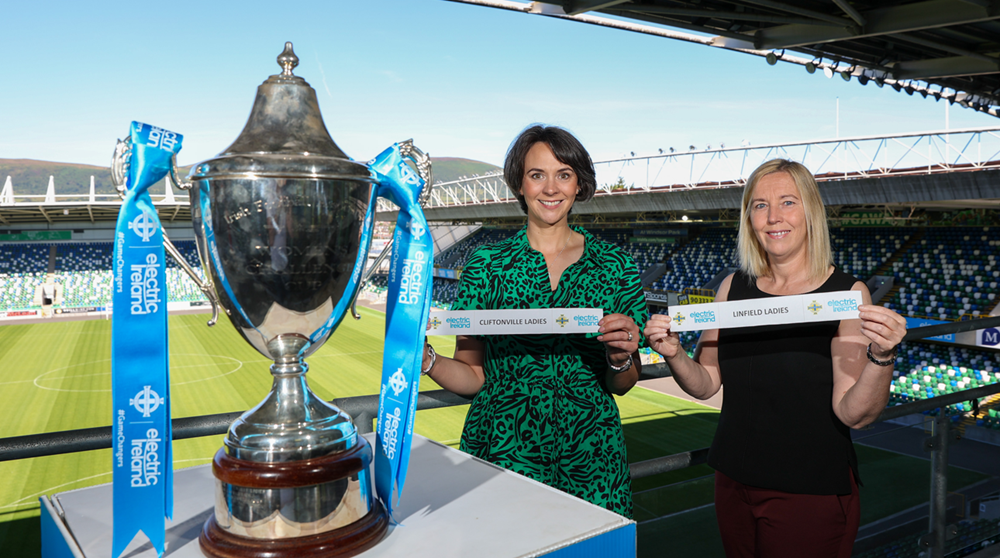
column 568, row 151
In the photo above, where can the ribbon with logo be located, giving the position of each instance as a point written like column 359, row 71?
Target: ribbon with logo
column 406, row 318
column 142, row 465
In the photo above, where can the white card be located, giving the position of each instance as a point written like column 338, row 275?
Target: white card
column 515, row 322
column 816, row 307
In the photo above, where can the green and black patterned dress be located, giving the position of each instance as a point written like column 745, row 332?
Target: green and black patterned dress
column 544, row 411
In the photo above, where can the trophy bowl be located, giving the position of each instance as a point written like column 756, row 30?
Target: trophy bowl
column 283, row 222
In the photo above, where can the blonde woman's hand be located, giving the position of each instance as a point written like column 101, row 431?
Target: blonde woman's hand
column 883, row 327
column 660, row 338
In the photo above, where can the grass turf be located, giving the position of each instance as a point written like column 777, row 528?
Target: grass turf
column 56, row 376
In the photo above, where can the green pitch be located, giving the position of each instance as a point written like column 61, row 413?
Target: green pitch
column 56, row 376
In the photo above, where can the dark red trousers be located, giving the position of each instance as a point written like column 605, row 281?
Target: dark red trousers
column 762, row 523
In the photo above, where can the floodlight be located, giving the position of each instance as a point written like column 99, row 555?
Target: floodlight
column 828, row 72
column 863, row 79
column 771, row 58
column 810, row 67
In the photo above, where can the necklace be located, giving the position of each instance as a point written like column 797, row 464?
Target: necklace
column 565, row 244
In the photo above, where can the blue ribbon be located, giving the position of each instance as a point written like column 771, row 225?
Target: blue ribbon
column 406, row 318
column 142, row 464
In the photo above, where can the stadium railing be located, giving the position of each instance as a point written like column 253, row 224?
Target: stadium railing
column 365, row 408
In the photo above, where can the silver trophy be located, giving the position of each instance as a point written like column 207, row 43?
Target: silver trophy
column 281, row 218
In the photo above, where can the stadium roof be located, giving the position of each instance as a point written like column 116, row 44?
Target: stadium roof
column 944, row 48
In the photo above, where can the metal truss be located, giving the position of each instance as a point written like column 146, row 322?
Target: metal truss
column 52, row 207
column 667, row 170
column 725, row 167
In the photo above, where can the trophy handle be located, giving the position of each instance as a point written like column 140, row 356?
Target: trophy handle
column 120, row 162
column 422, row 162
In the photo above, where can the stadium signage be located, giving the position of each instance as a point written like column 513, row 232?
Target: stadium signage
column 656, row 297
column 865, row 219
column 37, row 235
column 815, row 307
column 78, row 310
column 535, row 321
column 989, row 337
column 18, row 313
column 447, row 273
column 913, row 323
column 653, row 239
column 660, row 232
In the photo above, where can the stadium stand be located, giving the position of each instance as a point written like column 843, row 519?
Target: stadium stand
column 925, row 370
column 951, row 272
column 947, row 273
column 699, row 260
column 457, row 255
column 22, row 269
column 861, row 251
column 442, row 292
column 972, row 536
column 84, row 271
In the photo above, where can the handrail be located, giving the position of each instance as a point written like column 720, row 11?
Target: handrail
column 951, row 327
column 362, row 409
column 71, row 441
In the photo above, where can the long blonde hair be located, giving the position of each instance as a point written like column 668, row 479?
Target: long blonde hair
column 753, row 259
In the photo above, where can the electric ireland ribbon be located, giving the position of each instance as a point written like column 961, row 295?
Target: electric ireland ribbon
column 407, row 310
column 142, row 465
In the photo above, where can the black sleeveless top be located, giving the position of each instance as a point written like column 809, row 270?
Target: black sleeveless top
column 777, row 429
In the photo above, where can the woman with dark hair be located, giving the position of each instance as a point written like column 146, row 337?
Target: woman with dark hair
column 786, row 481
column 544, row 404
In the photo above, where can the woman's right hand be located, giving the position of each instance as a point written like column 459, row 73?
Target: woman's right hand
column 660, row 338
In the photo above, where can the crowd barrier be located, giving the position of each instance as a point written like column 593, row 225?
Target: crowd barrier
column 365, row 408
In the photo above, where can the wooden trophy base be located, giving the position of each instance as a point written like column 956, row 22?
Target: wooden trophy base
column 343, row 542
column 351, row 539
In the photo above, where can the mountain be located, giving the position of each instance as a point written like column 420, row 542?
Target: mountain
column 30, row 177
column 447, row 169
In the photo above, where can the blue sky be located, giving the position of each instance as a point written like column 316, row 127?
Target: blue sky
column 461, row 80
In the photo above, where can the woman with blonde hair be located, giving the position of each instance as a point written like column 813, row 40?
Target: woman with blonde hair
column 786, row 481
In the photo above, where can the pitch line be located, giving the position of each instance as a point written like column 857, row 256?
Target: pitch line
column 39, row 378
column 33, row 497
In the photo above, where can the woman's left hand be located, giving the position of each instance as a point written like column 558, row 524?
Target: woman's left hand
column 620, row 336
column 884, row 327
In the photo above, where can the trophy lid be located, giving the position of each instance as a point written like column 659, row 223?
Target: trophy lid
column 284, row 137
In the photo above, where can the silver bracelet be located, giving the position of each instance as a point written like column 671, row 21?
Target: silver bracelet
column 430, row 349
column 618, row 369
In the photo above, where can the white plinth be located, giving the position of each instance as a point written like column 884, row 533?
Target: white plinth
column 452, row 505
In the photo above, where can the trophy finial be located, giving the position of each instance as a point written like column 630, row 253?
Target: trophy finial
column 287, row 60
